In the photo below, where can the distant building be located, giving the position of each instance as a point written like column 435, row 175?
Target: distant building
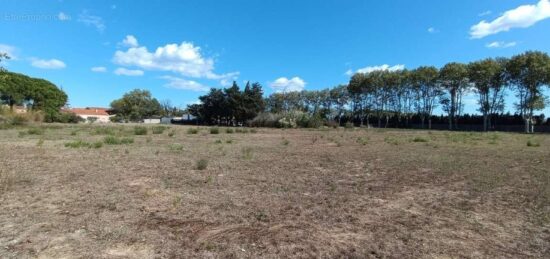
column 16, row 108
column 93, row 114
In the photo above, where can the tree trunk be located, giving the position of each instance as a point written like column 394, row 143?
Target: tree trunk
column 485, row 122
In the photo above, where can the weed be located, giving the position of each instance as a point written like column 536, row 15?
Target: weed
column 40, row 142
column 140, row 130
column 176, row 147
column 218, row 141
column 171, row 133
column 112, row 140
column 192, row 131
column 419, row 139
column 149, row 139
column 247, row 153
column 202, row 164
column 159, row 129
column 215, row 130
column 285, row 142
column 363, row 140
column 229, row 141
column 229, row 131
column 532, row 143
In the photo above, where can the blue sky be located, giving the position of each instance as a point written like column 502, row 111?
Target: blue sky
column 98, row 50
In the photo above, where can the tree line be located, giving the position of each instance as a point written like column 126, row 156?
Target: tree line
column 401, row 96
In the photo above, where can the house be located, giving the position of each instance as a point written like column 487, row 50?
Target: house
column 93, row 114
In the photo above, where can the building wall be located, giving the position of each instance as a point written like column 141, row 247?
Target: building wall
column 100, row 118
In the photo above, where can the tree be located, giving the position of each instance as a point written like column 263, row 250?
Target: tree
column 3, row 56
column 453, row 78
column 135, row 106
column 487, row 77
column 340, row 98
column 528, row 73
column 427, row 90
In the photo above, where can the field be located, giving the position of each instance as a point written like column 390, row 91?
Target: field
column 71, row 191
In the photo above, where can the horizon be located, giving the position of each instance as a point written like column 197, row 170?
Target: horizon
column 97, row 51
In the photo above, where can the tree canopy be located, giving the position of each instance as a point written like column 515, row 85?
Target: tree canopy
column 135, row 106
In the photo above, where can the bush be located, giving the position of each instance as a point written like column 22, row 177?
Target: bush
column 229, row 131
column 83, row 144
column 140, row 130
column 419, row 139
column 176, row 147
column 265, row 119
column 202, row 164
column 35, row 131
column 349, row 125
column 171, row 133
column 214, row 130
column 532, row 143
column 192, row 131
column 103, row 131
column 112, row 140
column 159, row 129
column 240, row 130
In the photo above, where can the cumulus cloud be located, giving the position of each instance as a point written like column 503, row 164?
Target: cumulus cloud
column 488, row 12
column 184, row 84
column 99, row 69
column 63, row 16
column 129, row 41
column 521, row 17
column 500, row 44
column 47, row 64
column 284, row 84
column 433, row 30
column 128, row 72
column 91, row 20
column 384, row 67
column 10, row 50
column 185, row 59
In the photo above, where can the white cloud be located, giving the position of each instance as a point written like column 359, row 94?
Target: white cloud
column 99, row 69
column 10, row 50
column 349, row 72
column 185, row 59
column 488, row 12
column 433, row 30
column 184, row 84
column 91, row 20
column 130, row 41
column 384, row 67
column 63, row 17
column 284, row 84
column 128, row 72
column 500, row 44
column 522, row 17
column 47, row 64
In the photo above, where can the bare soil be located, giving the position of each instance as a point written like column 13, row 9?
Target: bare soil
column 273, row 193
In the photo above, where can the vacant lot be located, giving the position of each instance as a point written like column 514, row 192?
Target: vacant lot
column 121, row 191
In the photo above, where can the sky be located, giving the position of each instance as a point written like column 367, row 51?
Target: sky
column 98, row 50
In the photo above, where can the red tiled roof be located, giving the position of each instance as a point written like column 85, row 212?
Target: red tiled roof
column 90, row 111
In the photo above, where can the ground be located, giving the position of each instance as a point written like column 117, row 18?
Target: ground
column 70, row 191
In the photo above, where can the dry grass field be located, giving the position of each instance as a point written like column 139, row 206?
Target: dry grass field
column 80, row 191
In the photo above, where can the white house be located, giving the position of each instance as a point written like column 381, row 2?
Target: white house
column 93, row 114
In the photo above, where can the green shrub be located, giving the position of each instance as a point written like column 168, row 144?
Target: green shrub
column 419, row 139
column 112, row 140
column 532, row 143
column 40, row 142
column 285, row 142
column 247, row 153
column 241, row 130
column 253, row 131
column 140, row 130
column 35, row 131
column 229, row 131
column 229, row 141
column 215, row 130
column 18, row 120
column 218, row 141
column 192, row 131
column 159, row 129
column 363, row 140
column 83, row 144
column 171, row 133
column 202, row 164
column 176, row 147
column 349, row 125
